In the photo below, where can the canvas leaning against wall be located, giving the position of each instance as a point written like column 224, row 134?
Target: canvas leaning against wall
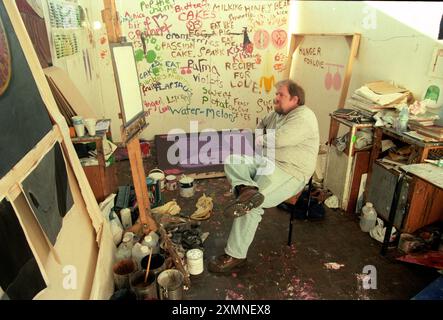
column 211, row 61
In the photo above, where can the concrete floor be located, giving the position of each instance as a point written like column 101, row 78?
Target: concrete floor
column 276, row 271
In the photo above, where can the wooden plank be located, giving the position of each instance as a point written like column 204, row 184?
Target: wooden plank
column 360, row 167
column 175, row 258
column 39, row 244
column 111, row 20
column 9, row 183
column 327, row 34
column 141, row 190
column 70, row 92
column 348, row 71
column 206, row 175
column 295, row 41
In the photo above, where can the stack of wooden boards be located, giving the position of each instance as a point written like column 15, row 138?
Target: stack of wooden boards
column 68, row 98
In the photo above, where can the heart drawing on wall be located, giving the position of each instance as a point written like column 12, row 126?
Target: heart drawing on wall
column 279, row 38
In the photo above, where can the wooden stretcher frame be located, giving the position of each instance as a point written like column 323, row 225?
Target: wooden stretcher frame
column 353, row 40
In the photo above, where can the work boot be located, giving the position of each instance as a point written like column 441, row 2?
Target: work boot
column 225, row 264
column 248, row 198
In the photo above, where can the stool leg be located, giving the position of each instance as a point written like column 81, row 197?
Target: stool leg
column 291, row 221
column 309, row 197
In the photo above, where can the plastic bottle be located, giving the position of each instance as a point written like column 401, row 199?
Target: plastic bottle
column 368, row 217
column 125, row 215
column 151, row 241
column 124, row 250
column 139, row 251
column 403, row 119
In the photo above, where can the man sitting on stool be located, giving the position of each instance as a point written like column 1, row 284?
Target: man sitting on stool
column 291, row 130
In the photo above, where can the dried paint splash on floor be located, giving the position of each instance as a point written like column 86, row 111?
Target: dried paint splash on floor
column 362, row 293
column 333, row 265
column 232, row 295
column 299, row 290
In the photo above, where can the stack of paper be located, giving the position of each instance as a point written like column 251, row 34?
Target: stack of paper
column 378, row 95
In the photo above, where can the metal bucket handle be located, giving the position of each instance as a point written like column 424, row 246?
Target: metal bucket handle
column 164, row 292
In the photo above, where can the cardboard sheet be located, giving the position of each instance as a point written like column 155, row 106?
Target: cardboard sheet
column 382, row 87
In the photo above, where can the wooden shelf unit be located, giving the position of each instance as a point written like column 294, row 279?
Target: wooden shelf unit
column 421, row 202
column 102, row 178
column 345, row 169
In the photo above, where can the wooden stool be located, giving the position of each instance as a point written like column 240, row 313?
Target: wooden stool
column 292, row 201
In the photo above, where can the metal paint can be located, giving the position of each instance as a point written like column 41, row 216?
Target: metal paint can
column 144, row 290
column 194, row 259
column 170, row 285
column 186, row 186
column 158, row 175
column 171, row 182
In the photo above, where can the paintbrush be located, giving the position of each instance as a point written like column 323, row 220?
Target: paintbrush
column 147, row 267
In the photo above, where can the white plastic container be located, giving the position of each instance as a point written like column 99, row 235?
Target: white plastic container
column 368, row 217
column 139, row 251
column 157, row 174
column 194, row 259
column 125, row 215
column 124, row 250
column 151, row 241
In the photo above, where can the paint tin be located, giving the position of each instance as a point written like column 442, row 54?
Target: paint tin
column 194, row 259
column 122, row 270
column 171, row 182
column 157, row 263
column 144, row 290
column 186, row 186
column 170, row 285
column 158, row 175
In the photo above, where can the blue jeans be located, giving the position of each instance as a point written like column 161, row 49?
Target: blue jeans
column 276, row 186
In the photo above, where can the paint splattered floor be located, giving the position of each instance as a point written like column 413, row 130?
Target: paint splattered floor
column 325, row 261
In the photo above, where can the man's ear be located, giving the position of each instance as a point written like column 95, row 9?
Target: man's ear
column 295, row 99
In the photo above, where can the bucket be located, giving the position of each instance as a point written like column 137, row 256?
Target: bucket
column 194, row 259
column 123, row 294
column 144, row 290
column 186, row 186
column 171, row 182
column 170, row 284
column 122, row 269
column 158, row 175
column 157, row 263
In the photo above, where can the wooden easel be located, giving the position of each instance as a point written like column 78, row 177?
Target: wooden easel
column 131, row 132
column 138, row 174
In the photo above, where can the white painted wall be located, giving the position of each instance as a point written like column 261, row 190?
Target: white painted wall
column 97, row 86
column 398, row 39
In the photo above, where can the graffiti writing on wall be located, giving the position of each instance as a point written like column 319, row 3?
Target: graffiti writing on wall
column 210, row 59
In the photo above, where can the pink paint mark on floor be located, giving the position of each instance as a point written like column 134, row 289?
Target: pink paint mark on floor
column 232, row 295
column 298, row 290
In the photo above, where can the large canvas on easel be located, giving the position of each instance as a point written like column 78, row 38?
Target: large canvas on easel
column 83, row 228
column 23, row 116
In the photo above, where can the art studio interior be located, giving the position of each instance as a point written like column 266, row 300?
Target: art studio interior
column 221, row 150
